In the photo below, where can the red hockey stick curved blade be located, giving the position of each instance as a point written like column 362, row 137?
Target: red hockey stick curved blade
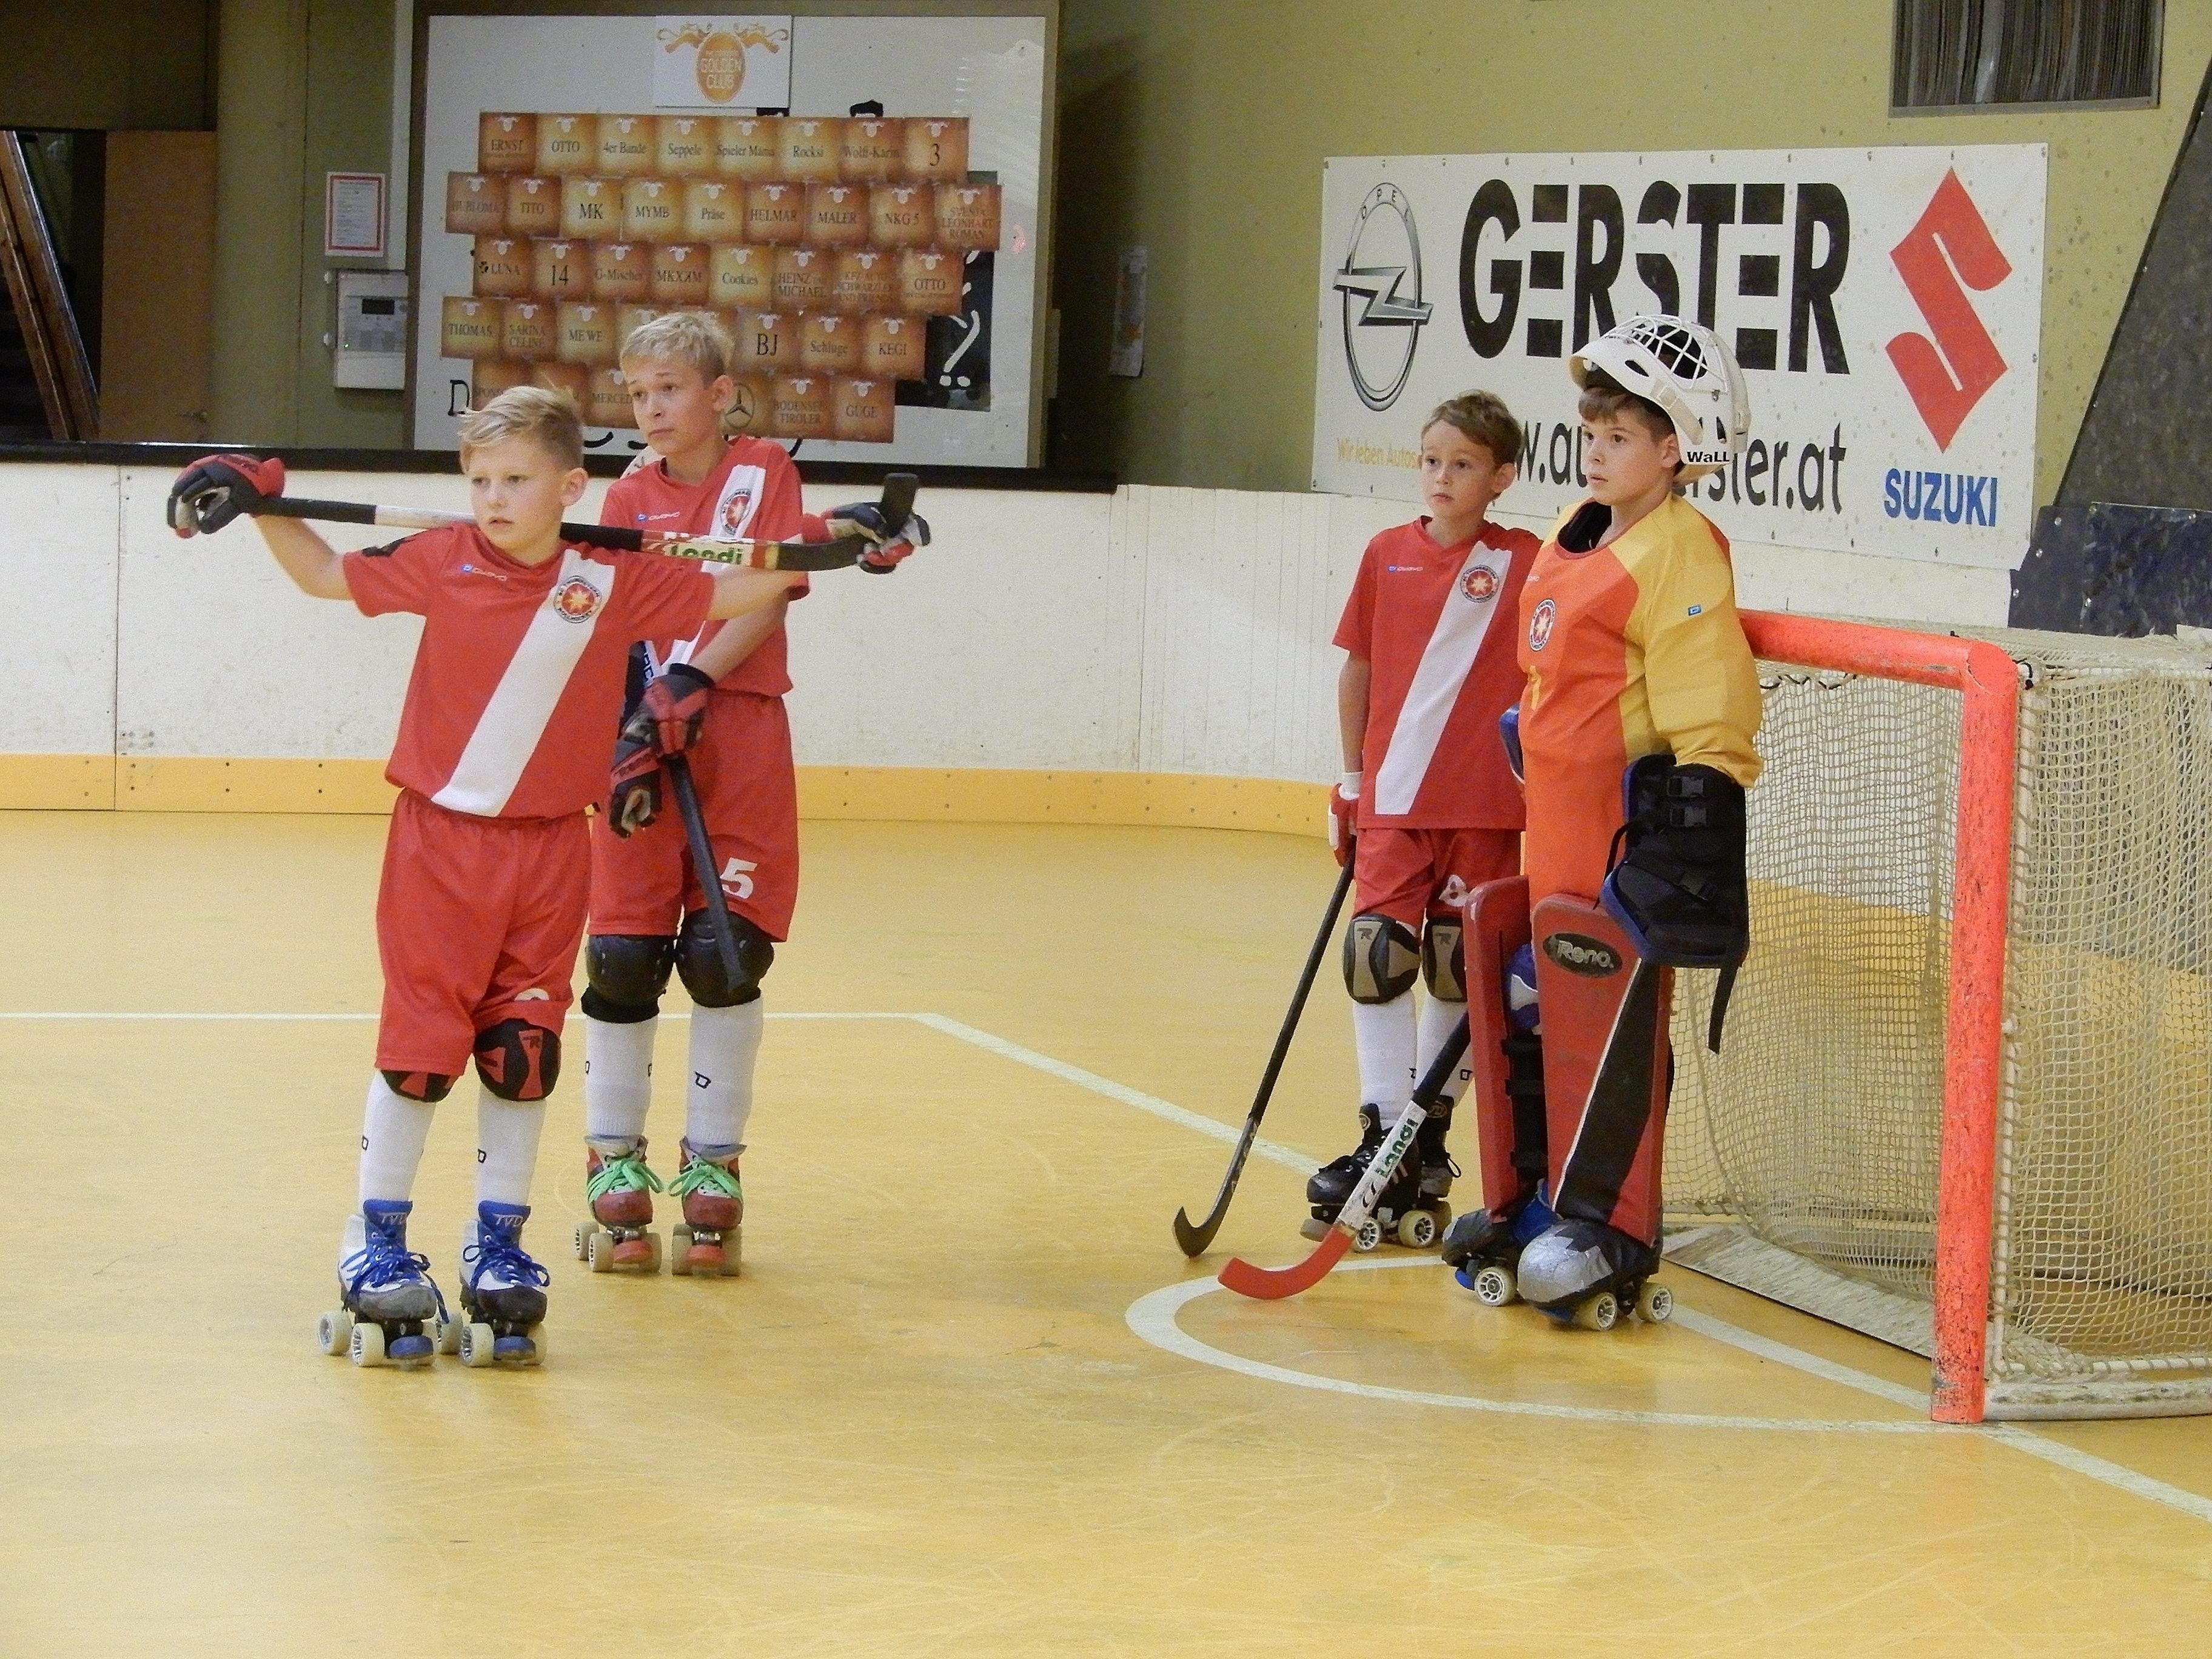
column 1273, row 1284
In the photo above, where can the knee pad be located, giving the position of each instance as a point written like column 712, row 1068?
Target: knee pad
column 1382, row 958
column 429, row 1087
column 699, row 964
column 1442, row 965
column 625, row 974
column 518, row 1060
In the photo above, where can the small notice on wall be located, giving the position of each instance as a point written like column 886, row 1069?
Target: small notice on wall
column 353, row 215
column 722, row 62
column 1128, row 359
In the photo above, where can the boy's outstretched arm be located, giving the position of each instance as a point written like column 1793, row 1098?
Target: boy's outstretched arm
column 737, row 590
column 315, row 567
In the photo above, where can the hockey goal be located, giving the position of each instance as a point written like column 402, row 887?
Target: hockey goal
column 1965, row 1103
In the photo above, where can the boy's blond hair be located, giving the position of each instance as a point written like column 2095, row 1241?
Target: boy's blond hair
column 547, row 418
column 682, row 336
column 1481, row 417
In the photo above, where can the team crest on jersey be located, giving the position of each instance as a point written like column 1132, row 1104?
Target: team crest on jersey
column 1480, row 584
column 1540, row 625
column 577, row 600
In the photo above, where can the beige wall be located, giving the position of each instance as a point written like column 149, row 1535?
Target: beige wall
column 118, row 64
column 1198, row 129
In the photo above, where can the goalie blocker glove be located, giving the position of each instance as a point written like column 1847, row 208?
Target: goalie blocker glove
column 889, row 544
column 633, row 791
column 672, row 712
column 1678, row 889
column 217, row 489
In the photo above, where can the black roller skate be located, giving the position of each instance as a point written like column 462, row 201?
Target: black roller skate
column 1588, row 1275
column 503, row 1294
column 1485, row 1249
column 384, row 1290
column 1405, row 1214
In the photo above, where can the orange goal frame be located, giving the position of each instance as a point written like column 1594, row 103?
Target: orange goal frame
column 1987, row 682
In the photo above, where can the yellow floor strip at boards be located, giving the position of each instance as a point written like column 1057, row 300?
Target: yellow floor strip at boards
column 193, row 783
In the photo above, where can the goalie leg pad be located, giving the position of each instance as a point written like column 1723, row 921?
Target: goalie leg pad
column 1442, row 961
column 1679, row 890
column 518, row 1060
column 1606, row 1065
column 1382, row 958
column 1503, row 1052
column 699, row 964
column 625, row 974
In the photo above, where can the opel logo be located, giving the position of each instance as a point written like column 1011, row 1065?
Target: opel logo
column 1380, row 283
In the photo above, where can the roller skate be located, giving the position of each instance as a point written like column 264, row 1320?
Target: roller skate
column 1485, row 1249
column 386, row 1292
column 709, row 1240
column 619, row 1189
column 1405, row 1214
column 1587, row 1274
column 503, row 1294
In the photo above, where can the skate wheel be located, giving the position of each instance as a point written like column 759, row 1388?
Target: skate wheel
column 1369, row 1236
column 477, row 1345
column 652, row 1260
column 584, row 1232
column 366, row 1346
column 598, row 1250
column 1494, row 1286
column 1598, row 1313
column 334, row 1331
column 733, row 1250
column 446, row 1335
column 1655, row 1303
column 1417, row 1230
column 679, row 1254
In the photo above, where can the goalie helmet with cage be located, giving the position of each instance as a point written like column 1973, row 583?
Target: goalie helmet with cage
column 1684, row 369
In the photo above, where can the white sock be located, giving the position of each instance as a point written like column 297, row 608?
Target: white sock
column 1384, row 1032
column 393, row 1131
column 617, row 1078
column 724, row 1047
column 1439, row 1019
column 507, row 1147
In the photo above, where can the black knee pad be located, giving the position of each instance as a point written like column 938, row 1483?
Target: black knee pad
column 518, row 1060
column 429, row 1087
column 625, row 974
column 1382, row 958
column 1444, row 962
column 699, row 964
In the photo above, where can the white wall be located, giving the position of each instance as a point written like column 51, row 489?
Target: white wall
column 1155, row 629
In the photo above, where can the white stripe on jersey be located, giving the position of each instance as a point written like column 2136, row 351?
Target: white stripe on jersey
column 522, row 706
column 735, row 509
column 1446, row 661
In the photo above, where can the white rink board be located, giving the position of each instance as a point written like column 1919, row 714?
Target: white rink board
column 1887, row 305
column 1155, row 629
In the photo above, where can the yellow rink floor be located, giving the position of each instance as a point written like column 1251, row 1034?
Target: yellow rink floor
column 957, row 1405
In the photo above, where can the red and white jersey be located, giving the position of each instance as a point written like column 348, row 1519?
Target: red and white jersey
column 1436, row 625
column 519, row 679
column 753, row 492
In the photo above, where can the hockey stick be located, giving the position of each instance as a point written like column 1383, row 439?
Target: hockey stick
column 702, row 859
column 1195, row 1239
column 1273, row 1283
column 896, row 505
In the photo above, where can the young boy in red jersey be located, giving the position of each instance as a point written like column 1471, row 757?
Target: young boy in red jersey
column 1636, row 726
column 502, row 747
column 1429, row 637
column 716, row 699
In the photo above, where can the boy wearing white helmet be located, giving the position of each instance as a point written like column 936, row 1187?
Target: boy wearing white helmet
column 1635, row 734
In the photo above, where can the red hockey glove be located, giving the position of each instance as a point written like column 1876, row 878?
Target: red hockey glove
column 891, row 543
column 673, row 711
column 1344, row 817
column 634, row 794
column 216, row 488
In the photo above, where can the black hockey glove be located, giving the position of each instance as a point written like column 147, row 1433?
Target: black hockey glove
column 1680, row 889
column 672, row 713
column 891, row 544
column 216, row 488
column 633, row 791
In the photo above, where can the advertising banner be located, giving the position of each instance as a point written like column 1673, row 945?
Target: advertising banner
column 1885, row 304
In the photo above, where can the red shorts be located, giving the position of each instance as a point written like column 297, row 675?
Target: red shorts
column 478, row 920
column 1409, row 874
column 644, row 884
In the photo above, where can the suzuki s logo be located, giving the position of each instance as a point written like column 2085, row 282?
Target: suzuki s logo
column 1949, row 370
column 1579, row 954
column 1380, row 283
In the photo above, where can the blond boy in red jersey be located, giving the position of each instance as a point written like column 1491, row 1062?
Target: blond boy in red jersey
column 501, row 748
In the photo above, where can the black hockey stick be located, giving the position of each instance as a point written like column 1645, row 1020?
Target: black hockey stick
column 1194, row 1240
column 702, row 859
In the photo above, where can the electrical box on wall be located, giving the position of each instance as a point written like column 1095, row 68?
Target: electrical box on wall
column 372, row 332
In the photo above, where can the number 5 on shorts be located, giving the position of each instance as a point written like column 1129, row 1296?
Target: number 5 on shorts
column 737, row 881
